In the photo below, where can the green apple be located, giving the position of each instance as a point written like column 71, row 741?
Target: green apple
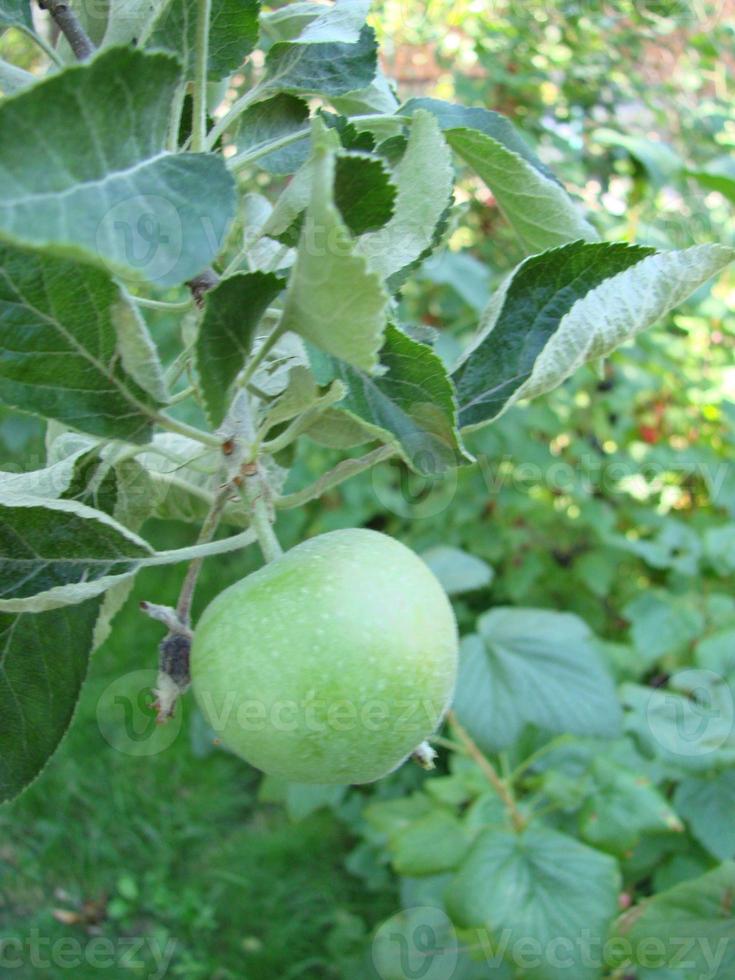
column 330, row 664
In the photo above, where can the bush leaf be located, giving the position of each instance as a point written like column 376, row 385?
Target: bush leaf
column 57, row 552
column 15, row 13
column 696, row 916
column 541, row 885
column 533, row 666
column 708, row 806
column 271, row 120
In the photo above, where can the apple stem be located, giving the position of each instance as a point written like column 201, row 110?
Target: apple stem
column 261, row 521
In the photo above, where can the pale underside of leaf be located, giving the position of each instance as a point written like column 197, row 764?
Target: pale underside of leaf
column 340, row 22
column 539, row 209
column 608, row 294
column 333, row 299
column 620, row 308
column 424, row 179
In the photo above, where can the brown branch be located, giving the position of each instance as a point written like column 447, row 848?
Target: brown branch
column 489, row 771
column 68, row 23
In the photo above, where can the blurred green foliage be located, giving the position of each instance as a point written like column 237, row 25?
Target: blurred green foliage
column 612, row 498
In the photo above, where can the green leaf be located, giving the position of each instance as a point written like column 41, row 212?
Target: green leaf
column 16, row 13
column 271, row 120
column 363, row 192
column 410, row 405
column 329, row 69
column 433, row 843
column 540, row 888
column 59, row 552
column 233, row 33
column 420, row 942
column 718, row 175
column 716, row 652
column 333, row 299
column 658, row 159
column 113, row 196
column 689, row 727
column 719, row 547
column 300, row 393
column 130, row 21
column 13, row 79
column 43, row 662
column 689, row 928
column 287, row 22
column 51, row 481
column 339, row 430
column 377, row 97
column 91, row 474
column 532, row 199
column 231, row 315
column 310, row 23
column 533, row 666
column 302, row 799
column 663, row 623
column 93, row 483
column 424, row 178
column 74, row 348
column 620, row 807
column 350, row 137
column 121, row 489
column 391, row 817
column 570, row 305
column 675, row 545
column 457, row 570
column 488, row 810
column 182, row 474
column 708, row 806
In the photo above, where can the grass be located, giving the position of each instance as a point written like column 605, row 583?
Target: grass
column 168, row 865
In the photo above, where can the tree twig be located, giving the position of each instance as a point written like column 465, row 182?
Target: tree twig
column 211, row 522
column 489, row 771
column 69, row 25
column 201, row 64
